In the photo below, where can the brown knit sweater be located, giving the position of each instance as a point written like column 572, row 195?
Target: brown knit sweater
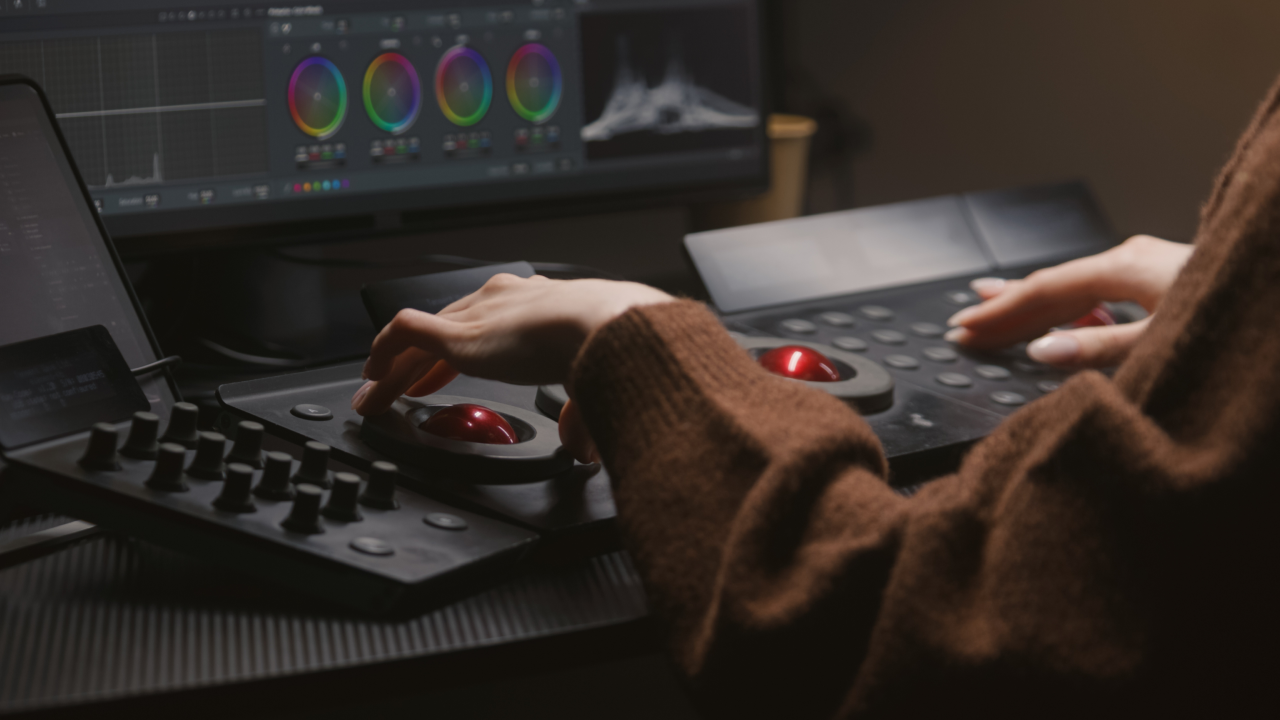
column 1109, row 551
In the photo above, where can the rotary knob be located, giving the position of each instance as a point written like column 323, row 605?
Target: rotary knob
column 182, row 426
column 248, row 445
column 304, row 517
column 167, row 475
column 208, row 464
column 142, row 444
column 381, row 491
column 315, row 466
column 275, row 484
column 101, row 452
column 343, row 499
column 236, row 494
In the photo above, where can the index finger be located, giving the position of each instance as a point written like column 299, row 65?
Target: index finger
column 409, row 329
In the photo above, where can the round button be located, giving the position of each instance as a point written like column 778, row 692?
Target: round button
column 372, row 546
column 961, row 297
column 1048, row 386
column 1030, row 366
column 852, row 344
column 312, row 412
column 889, row 337
column 902, row 362
column 993, row 372
column 798, row 326
column 928, row 330
column 1004, row 397
column 941, row 354
column 955, row 380
column 445, row 521
column 838, row 319
column 876, row 312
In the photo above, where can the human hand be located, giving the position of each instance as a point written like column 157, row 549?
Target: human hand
column 521, row 331
column 1140, row 270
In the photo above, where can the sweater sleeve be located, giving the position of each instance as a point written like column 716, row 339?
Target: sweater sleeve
column 1108, row 547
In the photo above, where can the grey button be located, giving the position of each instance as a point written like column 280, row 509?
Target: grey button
column 961, row 297
column 1048, row 386
column 798, row 326
column 929, row 330
column 372, row 546
column 992, row 372
column 941, row 354
column 889, row 337
column 838, row 319
column 445, row 521
column 902, row 362
column 1004, row 397
column 852, row 344
column 955, row 380
column 312, row 412
column 1030, row 366
column 876, row 312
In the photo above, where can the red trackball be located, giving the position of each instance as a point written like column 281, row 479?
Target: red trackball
column 1097, row 317
column 800, row 363
column 471, row 423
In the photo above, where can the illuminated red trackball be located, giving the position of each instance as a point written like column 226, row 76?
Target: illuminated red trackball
column 471, row 423
column 1097, row 317
column 800, row 363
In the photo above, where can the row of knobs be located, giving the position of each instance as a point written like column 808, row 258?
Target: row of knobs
column 236, row 469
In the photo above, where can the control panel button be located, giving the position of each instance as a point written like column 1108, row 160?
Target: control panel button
column 902, row 362
column 101, row 453
column 208, row 464
column 275, row 484
column 182, row 428
column 961, row 297
column 941, row 354
column 799, row 327
column 1048, row 386
column 314, row 469
column 992, row 372
column 889, row 337
column 876, row 312
column 248, row 446
column 312, row 412
column 800, row 363
column 851, row 344
column 955, row 380
column 1004, row 397
column 381, row 491
column 372, row 546
column 927, row 330
column 304, row 516
column 236, row 493
column 445, row 521
column 837, row 319
column 343, row 499
column 143, row 433
column 167, row 475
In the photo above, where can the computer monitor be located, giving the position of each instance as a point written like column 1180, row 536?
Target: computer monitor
column 190, row 116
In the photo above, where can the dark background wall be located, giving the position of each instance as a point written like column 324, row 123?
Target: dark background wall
column 1142, row 98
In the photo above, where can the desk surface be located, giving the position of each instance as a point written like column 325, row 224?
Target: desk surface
column 113, row 620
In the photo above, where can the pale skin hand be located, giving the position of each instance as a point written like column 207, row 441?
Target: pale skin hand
column 1140, row 270
column 520, row 331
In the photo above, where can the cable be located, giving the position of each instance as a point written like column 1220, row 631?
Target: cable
column 156, row 366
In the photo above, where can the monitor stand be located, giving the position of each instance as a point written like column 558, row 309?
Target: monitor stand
column 272, row 310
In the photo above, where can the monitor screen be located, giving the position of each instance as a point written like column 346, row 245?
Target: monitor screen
column 197, row 115
column 57, row 272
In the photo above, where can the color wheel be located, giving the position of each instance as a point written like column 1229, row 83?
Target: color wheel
column 464, row 86
column 392, row 93
column 318, row 97
column 534, row 83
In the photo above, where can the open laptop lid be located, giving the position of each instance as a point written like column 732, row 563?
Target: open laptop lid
column 58, row 268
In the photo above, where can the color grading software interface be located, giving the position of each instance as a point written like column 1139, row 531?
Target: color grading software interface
column 224, row 104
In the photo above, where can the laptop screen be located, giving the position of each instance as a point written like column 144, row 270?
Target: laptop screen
column 57, row 272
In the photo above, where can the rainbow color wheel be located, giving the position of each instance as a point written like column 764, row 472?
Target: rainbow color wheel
column 392, row 93
column 464, row 86
column 318, row 97
column 534, row 83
